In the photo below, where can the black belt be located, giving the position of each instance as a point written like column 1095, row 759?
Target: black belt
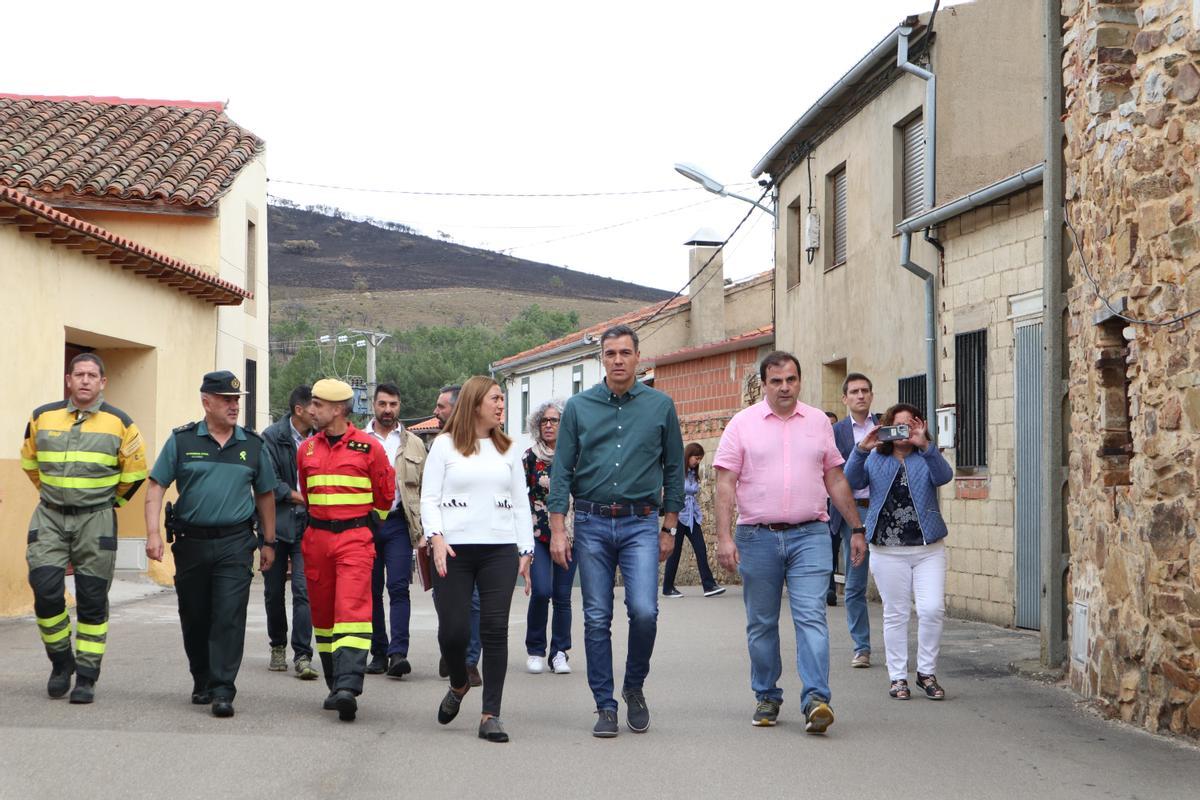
column 862, row 502
column 616, row 509
column 210, row 532
column 76, row 509
column 784, row 526
column 339, row 525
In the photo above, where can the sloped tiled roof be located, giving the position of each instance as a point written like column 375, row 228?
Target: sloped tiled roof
column 426, row 426
column 178, row 153
column 758, row 336
column 33, row 216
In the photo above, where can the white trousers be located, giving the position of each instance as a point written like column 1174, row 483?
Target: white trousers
column 904, row 575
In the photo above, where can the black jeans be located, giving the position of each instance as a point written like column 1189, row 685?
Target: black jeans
column 492, row 568
column 696, row 537
column 274, row 594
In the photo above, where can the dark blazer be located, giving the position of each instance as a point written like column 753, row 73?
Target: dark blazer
column 843, row 437
column 290, row 518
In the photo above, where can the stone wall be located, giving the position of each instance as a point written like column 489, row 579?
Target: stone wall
column 993, row 255
column 1132, row 125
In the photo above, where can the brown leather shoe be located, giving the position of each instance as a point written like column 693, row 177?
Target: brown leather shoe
column 473, row 675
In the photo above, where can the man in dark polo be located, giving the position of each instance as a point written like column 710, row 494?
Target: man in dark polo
column 620, row 454
column 223, row 474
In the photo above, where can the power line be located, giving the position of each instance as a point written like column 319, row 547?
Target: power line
column 416, row 193
column 608, row 227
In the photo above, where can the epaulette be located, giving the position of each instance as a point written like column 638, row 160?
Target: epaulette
column 185, row 428
column 358, row 446
column 253, row 433
column 118, row 413
column 37, row 412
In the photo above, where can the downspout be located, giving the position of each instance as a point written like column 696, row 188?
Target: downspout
column 1053, row 506
column 930, row 112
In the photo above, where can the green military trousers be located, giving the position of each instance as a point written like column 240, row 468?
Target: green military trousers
column 88, row 542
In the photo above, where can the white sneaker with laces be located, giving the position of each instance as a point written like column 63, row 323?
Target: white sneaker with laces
column 559, row 665
column 536, row 665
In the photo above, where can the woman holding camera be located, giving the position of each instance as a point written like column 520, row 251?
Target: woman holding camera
column 905, row 530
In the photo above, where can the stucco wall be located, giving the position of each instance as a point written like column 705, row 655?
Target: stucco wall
column 152, row 337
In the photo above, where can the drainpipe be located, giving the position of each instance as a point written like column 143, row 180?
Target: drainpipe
column 930, row 112
column 1053, row 512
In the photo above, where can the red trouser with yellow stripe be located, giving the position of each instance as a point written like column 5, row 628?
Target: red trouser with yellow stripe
column 338, row 567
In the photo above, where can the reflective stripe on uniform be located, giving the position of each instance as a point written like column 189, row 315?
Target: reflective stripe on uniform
column 68, row 456
column 323, row 636
column 28, row 463
column 341, row 499
column 351, row 627
column 90, row 629
column 50, row 622
column 85, row 646
column 79, row 483
column 130, row 477
column 56, row 636
column 382, row 514
column 355, row 481
column 357, row 642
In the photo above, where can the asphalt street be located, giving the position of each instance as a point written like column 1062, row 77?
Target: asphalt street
column 996, row 735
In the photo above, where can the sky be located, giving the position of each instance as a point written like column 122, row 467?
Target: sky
column 471, row 97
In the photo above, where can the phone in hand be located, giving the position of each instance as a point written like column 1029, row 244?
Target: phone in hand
column 892, row 433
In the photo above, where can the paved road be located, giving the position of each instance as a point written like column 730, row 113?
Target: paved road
column 996, row 736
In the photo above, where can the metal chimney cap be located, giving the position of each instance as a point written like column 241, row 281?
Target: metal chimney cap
column 705, row 237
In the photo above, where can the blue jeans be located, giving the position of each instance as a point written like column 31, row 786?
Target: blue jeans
column 274, row 590
column 801, row 558
column 548, row 582
column 393, row 555
column 601, row 545
column 856, row 596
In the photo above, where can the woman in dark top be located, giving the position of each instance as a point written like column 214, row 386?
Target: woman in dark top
column 689, row 528
column 905, row 530
column 550, row 581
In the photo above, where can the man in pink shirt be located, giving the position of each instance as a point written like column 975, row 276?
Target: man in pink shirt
column 778, row 460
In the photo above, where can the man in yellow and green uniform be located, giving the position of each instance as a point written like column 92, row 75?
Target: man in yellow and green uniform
column 85, row 457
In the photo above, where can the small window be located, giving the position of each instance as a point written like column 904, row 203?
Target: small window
column 912, row 391
column 251, row 394
column 970, row 389
column 913, row 168
column 837, row 218
column 577, row 379
column 524, row 405
column 251, row 256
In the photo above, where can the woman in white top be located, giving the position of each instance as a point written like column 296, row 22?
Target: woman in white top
column 477, row 523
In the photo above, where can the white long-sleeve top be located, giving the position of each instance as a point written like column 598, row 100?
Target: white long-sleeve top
column 479, row 499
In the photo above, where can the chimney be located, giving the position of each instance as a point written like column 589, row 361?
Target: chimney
column 706, row 317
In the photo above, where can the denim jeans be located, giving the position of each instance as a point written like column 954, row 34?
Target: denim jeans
column 601, row 545
column 696, row 536
column 856, row 596
column 274, row 593
column 548, row 582
column 799, row 557
column 393, row 556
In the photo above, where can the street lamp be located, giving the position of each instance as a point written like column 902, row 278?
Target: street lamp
column 694, row 173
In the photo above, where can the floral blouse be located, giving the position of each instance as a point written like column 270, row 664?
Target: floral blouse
column 898, row 525
column 537, row 479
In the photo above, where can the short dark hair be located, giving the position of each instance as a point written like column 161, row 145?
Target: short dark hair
column 386, row 388
column 776, row 359
column 95, row 359
column 300, row 396
column 856, row 376
column 616, row 332
column 832, row 416
column 453, row 390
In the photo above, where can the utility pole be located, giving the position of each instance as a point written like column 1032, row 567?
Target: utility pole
column 374, row 339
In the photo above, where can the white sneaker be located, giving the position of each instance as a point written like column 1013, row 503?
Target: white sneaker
column 559, row 665
column 536, row 665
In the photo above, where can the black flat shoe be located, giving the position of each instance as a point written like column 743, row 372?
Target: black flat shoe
column 492, row 730
column 222, row 708
column 450, row 704
column 346, row 704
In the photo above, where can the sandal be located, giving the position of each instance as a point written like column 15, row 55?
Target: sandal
column 900, row 690
column 929, row 683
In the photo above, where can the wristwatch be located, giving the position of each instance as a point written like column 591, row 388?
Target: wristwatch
column 268, row 544
column 859, row 529
column 670, row 531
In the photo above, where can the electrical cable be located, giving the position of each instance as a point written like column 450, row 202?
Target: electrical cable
column 415, row 193
column 607, row 227
column 1104, row 300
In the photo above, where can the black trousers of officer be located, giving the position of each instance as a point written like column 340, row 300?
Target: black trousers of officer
column 212, row 582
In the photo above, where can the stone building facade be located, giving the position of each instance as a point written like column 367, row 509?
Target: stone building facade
column 1132, row 128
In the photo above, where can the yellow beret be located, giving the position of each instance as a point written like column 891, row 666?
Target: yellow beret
column 332, row 389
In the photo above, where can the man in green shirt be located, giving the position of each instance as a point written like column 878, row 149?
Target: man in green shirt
column 620, row 454
column 224, row 474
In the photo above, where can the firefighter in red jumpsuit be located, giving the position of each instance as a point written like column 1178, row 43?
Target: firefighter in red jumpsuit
column 347, row 483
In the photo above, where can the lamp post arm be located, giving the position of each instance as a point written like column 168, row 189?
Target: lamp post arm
column 751, row 202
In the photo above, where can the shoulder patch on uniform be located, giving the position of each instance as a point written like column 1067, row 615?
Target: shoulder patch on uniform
column 185, row 428
column 118, row 413
column 362, row 447
column 37, row 412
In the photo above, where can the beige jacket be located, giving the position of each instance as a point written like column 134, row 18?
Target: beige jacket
column 410, row 463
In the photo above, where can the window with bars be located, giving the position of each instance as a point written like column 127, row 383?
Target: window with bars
column 912, row 391
column 837, row 218
column 251, row 402
column 912, row 174
column 577, row 379
column 970, row 389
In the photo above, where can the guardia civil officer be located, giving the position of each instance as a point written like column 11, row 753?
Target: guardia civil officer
column 348, row 484
column 223, row 475
column 84, row 457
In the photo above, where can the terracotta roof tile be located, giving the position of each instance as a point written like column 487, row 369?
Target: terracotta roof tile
column 427, row 426
column 177, row 152
column 31, row 214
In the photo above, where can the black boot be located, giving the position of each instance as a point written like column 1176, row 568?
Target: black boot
column 60, row 676
column 84, row 691
column 378, row 664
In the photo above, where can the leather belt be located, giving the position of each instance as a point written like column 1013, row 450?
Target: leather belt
column 783, row 526
column 862, row 502
column 339, row 525
column 211, row 532
column 615, row 509
column 76, row 509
